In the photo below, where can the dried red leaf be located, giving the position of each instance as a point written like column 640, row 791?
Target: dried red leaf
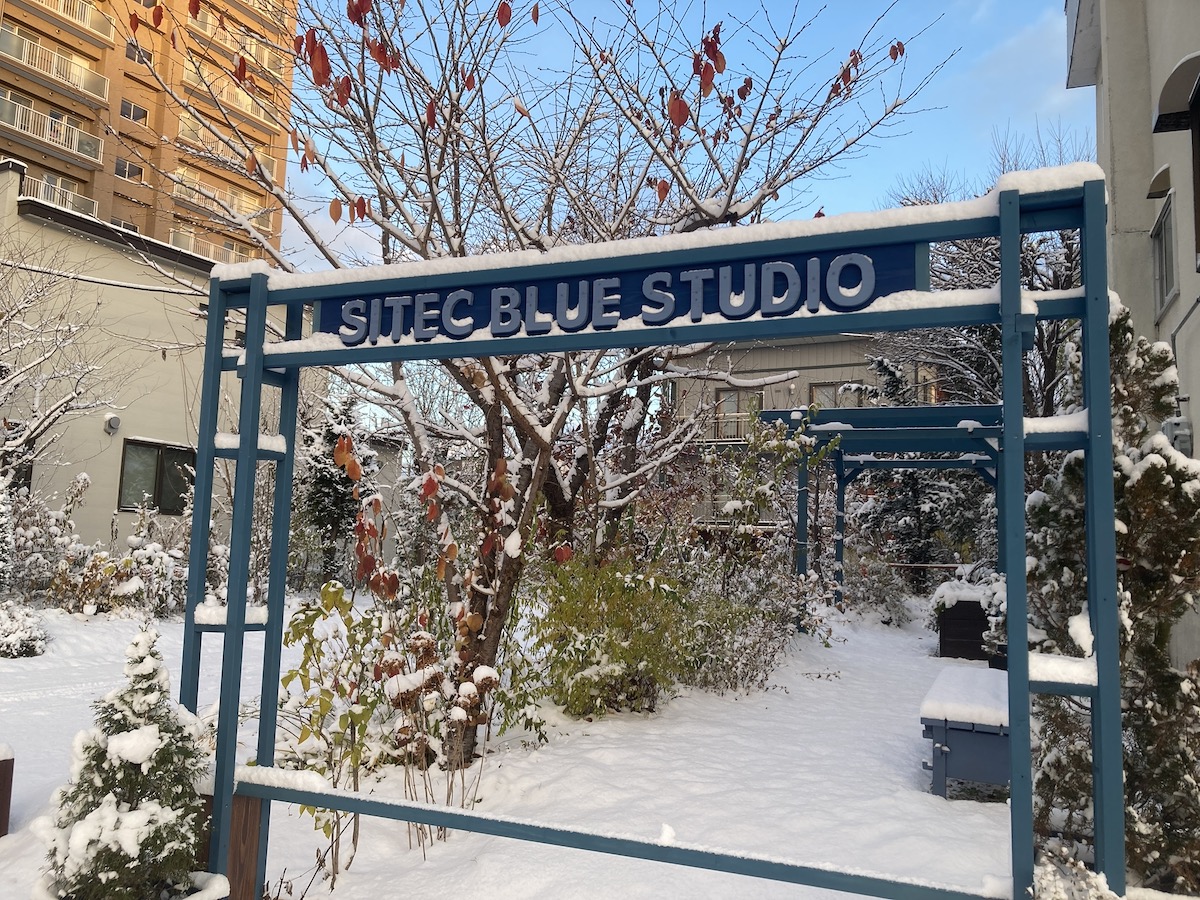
column 322, row 71
column 431, row 113
column 697, row 64
column 893, row 52
column 429, row 487
column 360, row 207
column 677, row 110
column 469, row 81
column 563, row 553
column 298, row 45
column 899, row 48
column 156, row 15
column 194, row 8
column 343, row 450
column 503, row 13
column 488, row 545
column 134, row 21
column 354, row 470
column 534, row 14
column 341, row 90
column 707, row 75
column 239, row 69
column 662, row 187
column 719, row 63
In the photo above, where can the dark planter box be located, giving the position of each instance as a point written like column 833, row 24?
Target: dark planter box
column 960, row 631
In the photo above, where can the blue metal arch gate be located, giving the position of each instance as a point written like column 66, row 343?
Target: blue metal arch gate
column 1067, row 199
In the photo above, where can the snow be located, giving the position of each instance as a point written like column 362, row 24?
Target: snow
column 1037, row 181
column 951, row 592
column 1062, row 669
column 6, row 752
column 824, row 769
column 968, row 694
column 224, row 440
column 1076, row 421
column 137, row 746
column 216, row 614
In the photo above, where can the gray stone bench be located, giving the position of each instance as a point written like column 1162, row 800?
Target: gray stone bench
column 965, row 714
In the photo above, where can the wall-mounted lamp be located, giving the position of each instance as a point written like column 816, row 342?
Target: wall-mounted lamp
column 112, row 422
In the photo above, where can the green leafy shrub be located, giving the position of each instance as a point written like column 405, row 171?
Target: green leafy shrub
column 609, row 639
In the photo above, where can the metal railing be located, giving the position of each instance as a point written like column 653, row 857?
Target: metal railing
column 60, row 197
column 209, row 146
column 52, row 63
column 208, row 249
column 51, row 130
column 83, row 13
column 227, row 95
column 196, row 191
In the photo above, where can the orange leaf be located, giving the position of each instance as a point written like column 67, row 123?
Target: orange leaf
column 503, row 13
column 719, row 63
column 452, row 551
column 663, row 188
column 343, row 450
column 431, row 114
column 354, row 470
column 251, row 164
column 429, row 487
column 335, row 210
column 441, row 567
column 469, row 81
column 295, row 140
column 156, row 15
column 707, row 76
column 534, row 14
column 439, row 470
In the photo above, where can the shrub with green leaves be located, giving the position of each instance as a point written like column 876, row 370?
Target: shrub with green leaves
column 609, row 639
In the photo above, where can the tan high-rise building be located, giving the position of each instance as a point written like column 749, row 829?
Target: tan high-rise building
column 98, row 112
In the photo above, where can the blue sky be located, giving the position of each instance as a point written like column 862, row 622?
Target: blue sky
column 1009, row 75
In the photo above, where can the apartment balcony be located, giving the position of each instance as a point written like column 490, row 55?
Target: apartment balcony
column 192, row 244
column 62, row 69
column 731, row 426
column 60, row 197
column 81, row 13
column 253, row 48
column 229, row 96
column 207, row 147
column 51, row 130
column 210, row 197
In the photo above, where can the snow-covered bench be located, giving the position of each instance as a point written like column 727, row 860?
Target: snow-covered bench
column 965, row 714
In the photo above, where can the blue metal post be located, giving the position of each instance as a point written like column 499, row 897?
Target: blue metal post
column 1011, row 504
column 239, row 574
column 839, row 524
column 210, row 395
column 281, row 521
column 1107, row 781
column 802, row 518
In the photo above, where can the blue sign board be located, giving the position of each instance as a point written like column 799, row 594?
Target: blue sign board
column 597, row 298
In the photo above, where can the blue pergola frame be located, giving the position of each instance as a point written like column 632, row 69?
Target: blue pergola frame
column 277, row 365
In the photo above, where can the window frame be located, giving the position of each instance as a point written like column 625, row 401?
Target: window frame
column 144, row 119
column 161, row 476
column 837, row 386
column 121, row 162
column 134, row 52
column 1163, row 257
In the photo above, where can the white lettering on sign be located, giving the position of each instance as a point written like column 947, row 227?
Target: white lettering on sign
column 767, row 289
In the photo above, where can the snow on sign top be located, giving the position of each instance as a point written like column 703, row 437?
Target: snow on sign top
column 748, row 273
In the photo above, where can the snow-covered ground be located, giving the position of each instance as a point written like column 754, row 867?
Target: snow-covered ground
column 823, row 769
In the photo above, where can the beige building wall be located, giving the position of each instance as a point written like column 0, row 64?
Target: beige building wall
column 148, row 338
column 1143, row 56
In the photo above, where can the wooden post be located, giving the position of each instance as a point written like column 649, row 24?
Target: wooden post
column 6, row 776
column 243, row 847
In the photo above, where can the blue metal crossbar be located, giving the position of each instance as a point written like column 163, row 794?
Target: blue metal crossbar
column 812, row 261
column 753, row 865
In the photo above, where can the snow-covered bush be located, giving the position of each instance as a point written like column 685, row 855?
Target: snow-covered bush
column 44, row 542
column 1058, row 876
column 129, row 823
column 21, row 631
column 608, row 638
column 872, row 587
column 7, row 547
column 1157, row 493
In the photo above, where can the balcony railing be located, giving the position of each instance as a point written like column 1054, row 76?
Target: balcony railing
column 53, row 131
column 227, row 95
column 207, row 249
column 731, row 426
column 59, row 197
column 191, row 189
column 51, row 62
column 209, row 146
column 251, row 47
column 83, row 13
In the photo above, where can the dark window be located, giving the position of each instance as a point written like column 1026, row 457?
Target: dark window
column 138, row 54
column 134, row 113
column 129, row 171
column 127, row 226
column 158, row 475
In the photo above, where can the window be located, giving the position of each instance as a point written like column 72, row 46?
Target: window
column 158, row 475
column 829, row 395
column 734, row 412
column 123, row 168
column 1162, row 248
column 138, row 54
column 134, row 113
column 127, row 226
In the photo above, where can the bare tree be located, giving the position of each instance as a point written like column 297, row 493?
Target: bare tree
column 446, row 128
